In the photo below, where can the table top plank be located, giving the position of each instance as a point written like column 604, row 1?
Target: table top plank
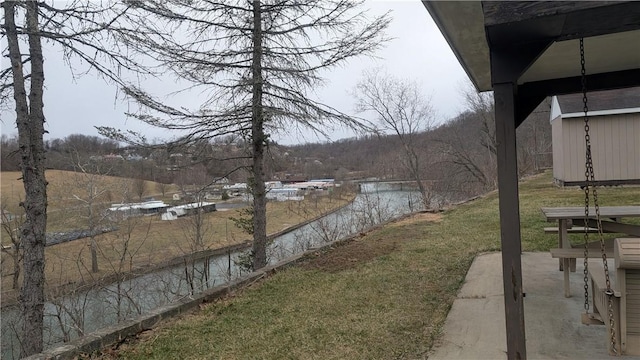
column 577, row 212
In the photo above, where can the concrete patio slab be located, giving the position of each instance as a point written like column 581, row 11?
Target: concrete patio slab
column 475, row 326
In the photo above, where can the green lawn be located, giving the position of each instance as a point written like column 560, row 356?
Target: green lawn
column 382, row 296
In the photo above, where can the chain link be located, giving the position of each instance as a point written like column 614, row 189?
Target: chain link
column 590, row 186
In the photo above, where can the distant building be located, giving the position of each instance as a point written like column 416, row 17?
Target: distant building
column 112, row 157
column 134, row 157
column 284, row 194
column 273, row 184
column 174, row 212
column 137, row 209
column 323, row 180
column 221, row 180
column 213, row 196
column 312, row 185
column 236, row 189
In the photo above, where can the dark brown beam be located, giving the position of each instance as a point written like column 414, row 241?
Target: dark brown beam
column 572, row 85
column 530, row 95
column 505, row 110
column 516, row 23
column 502, row 12
column 512, row 62
column 525, row 106
column 613, row 18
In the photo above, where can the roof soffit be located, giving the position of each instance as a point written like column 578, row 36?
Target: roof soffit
column 462, row 25
column 603, row 54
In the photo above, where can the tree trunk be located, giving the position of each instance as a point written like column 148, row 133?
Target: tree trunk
column 258, row 145
column 94, row 254
column 17, row 264
column 414, row 168
column 30, row 124
column 93, row 245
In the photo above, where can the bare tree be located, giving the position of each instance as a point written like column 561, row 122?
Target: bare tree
column 198, row 232
column 399, row 107
column 11, row 224
column 481, row 104
column 162, row 188
column 473, row 162
column 85, row 31
column 140, row 186
column 258, row 63
column 8, row 151
column 90, row 191
column 126, row 247
column 469, row 145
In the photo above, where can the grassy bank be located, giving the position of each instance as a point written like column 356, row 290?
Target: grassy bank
column 384, row 295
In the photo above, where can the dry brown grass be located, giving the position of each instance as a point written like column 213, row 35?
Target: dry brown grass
column 63, row 185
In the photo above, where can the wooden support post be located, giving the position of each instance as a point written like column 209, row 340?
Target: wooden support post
column 505, row 95
column 562, row 228
column 567, row 265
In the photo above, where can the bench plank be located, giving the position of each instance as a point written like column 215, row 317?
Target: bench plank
column 578, row 253
column 573, row 230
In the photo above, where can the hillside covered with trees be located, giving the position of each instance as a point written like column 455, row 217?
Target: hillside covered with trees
column 457, row 156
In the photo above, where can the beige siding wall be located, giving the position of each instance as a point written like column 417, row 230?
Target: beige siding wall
column 615, row 147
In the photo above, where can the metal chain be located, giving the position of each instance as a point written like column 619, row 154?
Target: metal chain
column 586, row 176
column 590, row 180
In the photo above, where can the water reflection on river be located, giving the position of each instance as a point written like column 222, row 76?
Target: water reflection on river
column 88, row 311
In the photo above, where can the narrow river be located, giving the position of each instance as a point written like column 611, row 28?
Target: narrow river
column 88, row 311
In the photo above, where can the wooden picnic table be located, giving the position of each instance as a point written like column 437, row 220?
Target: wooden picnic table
column 611, row 218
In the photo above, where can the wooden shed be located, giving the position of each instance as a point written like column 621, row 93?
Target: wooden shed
column 614, row 119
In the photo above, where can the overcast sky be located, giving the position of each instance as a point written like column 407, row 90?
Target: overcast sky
column 418, row 52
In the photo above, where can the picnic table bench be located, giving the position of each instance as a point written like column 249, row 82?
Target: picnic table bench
column 611, row 219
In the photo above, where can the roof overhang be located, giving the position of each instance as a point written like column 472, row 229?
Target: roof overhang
column 462, row 25
column 543, row 37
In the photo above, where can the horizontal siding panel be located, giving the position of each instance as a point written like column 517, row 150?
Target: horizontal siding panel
column 633, row 280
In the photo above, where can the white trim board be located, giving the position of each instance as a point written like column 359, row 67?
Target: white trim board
column 601, row 112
